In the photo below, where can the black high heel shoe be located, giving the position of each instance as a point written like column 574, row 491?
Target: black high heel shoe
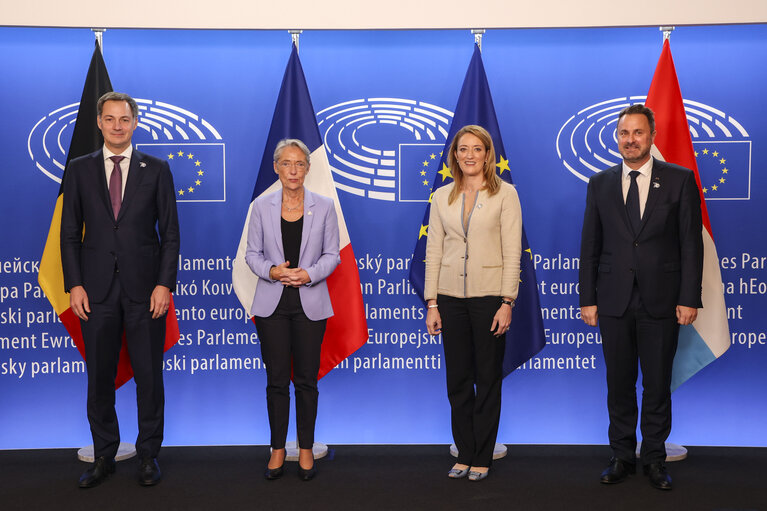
column 306, row 474
column 273, row 473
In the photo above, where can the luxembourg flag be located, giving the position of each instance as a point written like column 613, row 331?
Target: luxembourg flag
column 294, row 117
column 709, row 336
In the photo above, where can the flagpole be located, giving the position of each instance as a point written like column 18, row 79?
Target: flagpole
column 674, row 452
column 319, row 449
column 125, row 450
column 499, row 450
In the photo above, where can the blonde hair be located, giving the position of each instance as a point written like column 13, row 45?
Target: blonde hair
column 492, row 181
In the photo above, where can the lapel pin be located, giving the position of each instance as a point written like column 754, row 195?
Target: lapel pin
column 142, row 164
column 656, row 185
column 479, row 206
column 309, row 213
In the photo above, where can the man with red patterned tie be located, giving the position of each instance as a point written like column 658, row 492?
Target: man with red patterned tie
column 119, row 252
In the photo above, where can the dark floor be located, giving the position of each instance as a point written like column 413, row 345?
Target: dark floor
column 387, row 478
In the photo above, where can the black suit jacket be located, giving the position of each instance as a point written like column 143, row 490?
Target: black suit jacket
column 142, row 243
column 665, row 256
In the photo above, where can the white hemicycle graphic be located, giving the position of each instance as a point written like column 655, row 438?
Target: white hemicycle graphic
column 586, row 143
column 363, row 138
column 159, row 121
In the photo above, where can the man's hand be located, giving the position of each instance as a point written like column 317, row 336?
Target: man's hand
column 78, row 302
column 589, row 315
column 686, row 315
column 159, row 302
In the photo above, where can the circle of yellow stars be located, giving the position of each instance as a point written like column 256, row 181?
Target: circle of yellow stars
column 722, row 161
column 197, row 163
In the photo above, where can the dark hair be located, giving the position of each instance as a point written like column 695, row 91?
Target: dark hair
column 117, row 96
column 639, row 108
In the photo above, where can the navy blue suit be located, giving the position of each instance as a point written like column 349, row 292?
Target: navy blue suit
column 119, row 262
column 636, row 280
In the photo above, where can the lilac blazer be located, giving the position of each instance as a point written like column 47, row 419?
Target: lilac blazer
column 319, row 253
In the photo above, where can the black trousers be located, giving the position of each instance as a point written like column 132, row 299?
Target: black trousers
column 474, row 371
column 290, row 339
column 145, row 338
column 652, row 341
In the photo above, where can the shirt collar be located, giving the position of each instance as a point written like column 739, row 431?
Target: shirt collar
column 645, row 169
column 127, row 153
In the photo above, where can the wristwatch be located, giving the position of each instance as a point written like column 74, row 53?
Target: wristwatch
column 510, row 303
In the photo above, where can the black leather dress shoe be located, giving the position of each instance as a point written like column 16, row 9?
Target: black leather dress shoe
column 659, row 478
column 149, row 472
column 617, row 471
column 98, row 472
column 273, row 473
column 306, row 474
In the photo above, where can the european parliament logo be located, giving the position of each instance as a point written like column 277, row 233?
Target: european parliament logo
column 163, row 130
column 384, row 148
column 587, row 144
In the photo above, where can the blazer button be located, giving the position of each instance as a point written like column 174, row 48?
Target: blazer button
column 636, row 244
column 116, row 227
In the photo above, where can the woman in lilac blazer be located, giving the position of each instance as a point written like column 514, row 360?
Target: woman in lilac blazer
column 293, row 246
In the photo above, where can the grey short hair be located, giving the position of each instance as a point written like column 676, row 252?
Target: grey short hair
column 117, row 96
column 291, row 142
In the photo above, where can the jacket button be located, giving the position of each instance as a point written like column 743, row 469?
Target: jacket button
column 116, row 227
column 636, row 244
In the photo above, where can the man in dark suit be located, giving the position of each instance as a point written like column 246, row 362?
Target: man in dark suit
column 119, row 251
column 640, row 278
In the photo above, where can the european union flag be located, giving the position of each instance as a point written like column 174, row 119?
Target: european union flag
column 198, row 169
column 724, row 168
column 417, row 166
column 525, row 337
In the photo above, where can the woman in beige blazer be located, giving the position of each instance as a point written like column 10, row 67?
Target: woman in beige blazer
column 472, row 278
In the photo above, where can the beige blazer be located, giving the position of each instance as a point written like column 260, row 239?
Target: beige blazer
column 483, row 262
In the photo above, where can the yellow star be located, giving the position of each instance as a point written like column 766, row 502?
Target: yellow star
column 715, row 154
column 705, row 190
column 190, row 156
column 170, row 156
column 714, row 187
column 198, row 182
column 531, row 253
column 423, row 172
column 725, row 170
column 180, row 153
column 503, row 164
column 430, row 197
column 425, row 182
column 423, row 231
column 432, row 156
column 445, row 173
column 426, row 163
column 181, row 192
column 191, row 190
column 722, row 161
column 440, row 153
column 696, row 154
column 197, row 163
column 705, row 151
column 722, row 180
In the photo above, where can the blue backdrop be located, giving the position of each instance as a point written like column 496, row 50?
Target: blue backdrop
column 225, row 84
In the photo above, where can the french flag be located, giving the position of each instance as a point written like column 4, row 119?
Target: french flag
column 294, row 117
column 709, row 336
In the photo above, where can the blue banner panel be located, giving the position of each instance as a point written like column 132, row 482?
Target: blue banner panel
column 384, row 102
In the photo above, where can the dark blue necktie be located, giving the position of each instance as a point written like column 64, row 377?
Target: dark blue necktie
column 632, row 202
